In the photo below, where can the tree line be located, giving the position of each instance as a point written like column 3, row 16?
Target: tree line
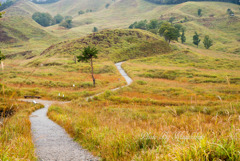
column 182, row 1
column 170, row 31
column 44, row 1
column 45, row 19
column 7, row 4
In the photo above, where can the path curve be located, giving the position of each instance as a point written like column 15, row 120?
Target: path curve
column 123, row 73
column 51, row 141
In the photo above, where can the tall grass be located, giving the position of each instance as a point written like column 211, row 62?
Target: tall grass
column 15, row 129
column 163, row 114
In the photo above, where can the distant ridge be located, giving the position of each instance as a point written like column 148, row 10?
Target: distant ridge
column 182, row 1
column 44, row 1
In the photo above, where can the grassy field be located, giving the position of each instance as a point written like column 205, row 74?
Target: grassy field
column 183, row 103
column 182, row 106
column 51, row 79
column 56, row 71
column 15, row 127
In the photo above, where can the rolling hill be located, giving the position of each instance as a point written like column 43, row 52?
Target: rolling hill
column 215, row 22
column 183, row 102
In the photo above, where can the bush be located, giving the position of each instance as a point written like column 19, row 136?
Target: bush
column 58, row 18
column 67, row 24
column 44, row 19
column 141, row 82
column 81, row 12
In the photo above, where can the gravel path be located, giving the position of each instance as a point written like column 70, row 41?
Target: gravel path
column 51, row 141
column 123, row 73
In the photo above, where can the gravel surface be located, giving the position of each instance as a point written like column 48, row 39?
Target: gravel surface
column 51, row 141
column 123, row 73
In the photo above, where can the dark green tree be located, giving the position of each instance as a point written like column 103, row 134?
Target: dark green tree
column 141, row 25
column 107, row 5
column 169, row 32
column 95, row 29
column 132, row 26
column 6, row 4
column 207, row 42
column 153, row 24
column 230, row 12
column 67, row 23
column 178, row 26
column 44, row 19
column 81, row 12
column 196, row 39
column 88, row 54
column 89, row 10
column 183, row 37
column 58, row 18
column 199, row 12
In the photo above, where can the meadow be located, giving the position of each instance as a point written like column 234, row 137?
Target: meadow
column 181, row 106
column 57, row 72
column 183, row 103
column 15, row 127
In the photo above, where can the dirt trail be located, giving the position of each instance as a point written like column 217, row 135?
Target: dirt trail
column 51, row 141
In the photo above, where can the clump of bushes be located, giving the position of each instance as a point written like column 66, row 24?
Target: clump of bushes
column 45, row 19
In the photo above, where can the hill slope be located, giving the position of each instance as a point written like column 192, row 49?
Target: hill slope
column 71, row 7
column 224, row 30
column 117, row 45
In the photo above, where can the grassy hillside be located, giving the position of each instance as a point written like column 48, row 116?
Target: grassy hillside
column 71, row 7
column 215, row 22
column 116, row 45
column 181, row 106
column 21, row 34
column 55, row 70
column 224, row 30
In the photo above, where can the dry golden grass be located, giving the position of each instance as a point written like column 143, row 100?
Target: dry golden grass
column 163, row 115
column 15, row 130
column 49, row 81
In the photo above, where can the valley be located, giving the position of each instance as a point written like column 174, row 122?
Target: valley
column 181, row 101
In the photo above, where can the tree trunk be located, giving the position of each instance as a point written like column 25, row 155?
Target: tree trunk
column 2, row 65
column 75, row 59
column 92, row 73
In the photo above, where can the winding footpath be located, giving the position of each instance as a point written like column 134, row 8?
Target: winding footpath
column 51, row 141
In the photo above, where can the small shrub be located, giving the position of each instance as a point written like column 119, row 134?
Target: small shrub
column 141, row 82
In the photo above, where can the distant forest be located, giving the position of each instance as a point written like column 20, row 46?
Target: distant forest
column 44, row 1
column 181, row 1
column 6, row 4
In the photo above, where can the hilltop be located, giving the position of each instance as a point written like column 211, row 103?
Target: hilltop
column 116, row 45
column 120, row 14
